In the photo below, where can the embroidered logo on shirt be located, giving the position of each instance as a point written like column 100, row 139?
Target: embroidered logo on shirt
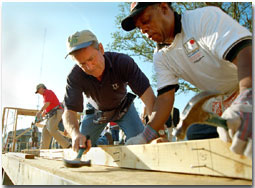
column 115, row 86
column 192, row 50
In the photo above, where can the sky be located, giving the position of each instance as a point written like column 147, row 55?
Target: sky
column 33, row 47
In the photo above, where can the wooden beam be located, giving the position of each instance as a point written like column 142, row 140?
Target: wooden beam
column 40, row 125
column 14, row 131
column 205, row 157
column 32, row 172
column 22, row 111
column 53, row 172
column 6, row 122
column 35, row 152
column 3, row 116
column 21, row 155
column 27, row 112
column 24, row 132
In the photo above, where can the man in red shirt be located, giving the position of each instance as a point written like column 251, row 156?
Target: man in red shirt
column 53, row 109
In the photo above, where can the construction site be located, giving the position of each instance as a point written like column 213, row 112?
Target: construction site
column 112, row 125
column 200, row 162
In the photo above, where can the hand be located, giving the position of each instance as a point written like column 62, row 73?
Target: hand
column 79, row 140
column 38, row 114
column 146, row 136
column 138, row 139
column 65, row 133
column 239, row 121
column 38, row 117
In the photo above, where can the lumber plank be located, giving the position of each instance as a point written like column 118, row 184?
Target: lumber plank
column 205, row 157
column 21, row 155
column 32, row 172
column 40, row 125
column 35, row 152
column 52, row 172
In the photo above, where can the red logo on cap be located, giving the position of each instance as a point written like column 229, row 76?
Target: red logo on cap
column 133, row 5
column 192, row 41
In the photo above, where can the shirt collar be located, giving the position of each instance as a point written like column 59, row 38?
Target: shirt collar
column 178, row 24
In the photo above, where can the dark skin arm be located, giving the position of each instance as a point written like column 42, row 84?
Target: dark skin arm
column 162, row 109
column 243, row 61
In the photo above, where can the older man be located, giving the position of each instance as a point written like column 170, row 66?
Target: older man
column 103, row 77
column 207, row 48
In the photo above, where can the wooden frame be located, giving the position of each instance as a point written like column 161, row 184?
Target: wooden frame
column 205, row 157
column 18, row 111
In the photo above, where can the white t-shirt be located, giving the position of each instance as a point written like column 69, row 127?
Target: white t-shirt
column 197, row 53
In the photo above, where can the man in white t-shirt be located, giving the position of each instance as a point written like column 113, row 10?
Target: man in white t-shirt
column 207, row 48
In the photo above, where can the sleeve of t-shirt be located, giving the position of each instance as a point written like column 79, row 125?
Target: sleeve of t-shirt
column 132, row 74
column 73, row 98
column 216, row 29
column 164, row 74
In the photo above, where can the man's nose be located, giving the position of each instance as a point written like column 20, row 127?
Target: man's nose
column 144, row 29
column 88, row 66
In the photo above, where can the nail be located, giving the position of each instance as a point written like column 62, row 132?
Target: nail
column 197, row 148
column 197, row 166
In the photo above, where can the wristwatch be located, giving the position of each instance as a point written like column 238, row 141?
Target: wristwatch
column 161, row 132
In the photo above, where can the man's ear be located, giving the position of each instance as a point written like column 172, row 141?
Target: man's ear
column 101, row 48
column 164, row 7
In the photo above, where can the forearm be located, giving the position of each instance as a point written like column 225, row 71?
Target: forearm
column 162, row 109
column 45, row 106
column 70, row 122
column 244, row 65
column 148, row 99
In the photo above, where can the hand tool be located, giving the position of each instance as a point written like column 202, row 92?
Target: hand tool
column 76, row 163
column 195, row 113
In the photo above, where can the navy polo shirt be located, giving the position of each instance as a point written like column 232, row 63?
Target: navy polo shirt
column 120, row 71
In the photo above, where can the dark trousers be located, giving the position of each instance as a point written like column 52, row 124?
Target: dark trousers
column 115, row 134
column 201, row 131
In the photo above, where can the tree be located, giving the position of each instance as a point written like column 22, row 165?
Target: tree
column 134, row 43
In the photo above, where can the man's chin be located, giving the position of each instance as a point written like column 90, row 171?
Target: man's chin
column 156, row 39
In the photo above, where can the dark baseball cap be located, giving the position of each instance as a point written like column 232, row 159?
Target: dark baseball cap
column 136, row 8
column 39, row 86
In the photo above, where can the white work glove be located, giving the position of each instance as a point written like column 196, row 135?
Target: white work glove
column 239, row 122
column 146, row 136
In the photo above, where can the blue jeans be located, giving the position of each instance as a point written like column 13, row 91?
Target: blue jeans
column 102, row 141
column 130, row 124
column 115, row 134
column 201, row 131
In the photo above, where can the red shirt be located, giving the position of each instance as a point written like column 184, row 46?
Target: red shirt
column 49, row 96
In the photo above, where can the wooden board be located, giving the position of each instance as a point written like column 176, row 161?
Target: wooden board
column 205, row 157
column 41, row 171
column 21, row 155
